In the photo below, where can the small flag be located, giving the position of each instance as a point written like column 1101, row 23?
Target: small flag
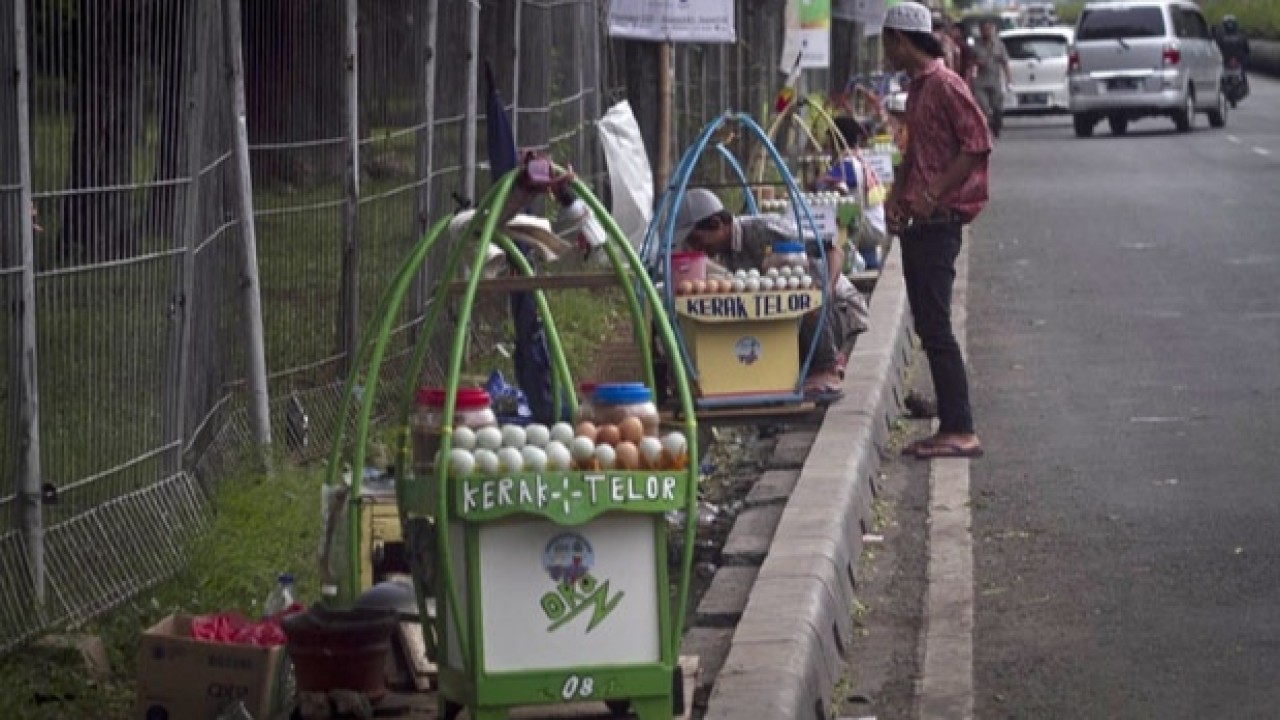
column 788, row 92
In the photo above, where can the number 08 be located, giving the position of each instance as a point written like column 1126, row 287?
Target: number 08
column 575, row 686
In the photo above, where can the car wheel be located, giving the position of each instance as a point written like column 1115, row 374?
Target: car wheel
column 1119, row 125
column 1083, row 125
column 1182, row 119
column 1218, row 115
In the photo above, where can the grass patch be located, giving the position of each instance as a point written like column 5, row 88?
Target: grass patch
column 262, row 527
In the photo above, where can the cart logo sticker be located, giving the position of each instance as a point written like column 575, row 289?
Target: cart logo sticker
column 568, row 559
column 747, row 350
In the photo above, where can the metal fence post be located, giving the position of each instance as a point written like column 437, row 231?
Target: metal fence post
column 469, row 129
column 349, row 305
column 30, row 512
column 259, row 403
column 197, row 33
column 425, row 148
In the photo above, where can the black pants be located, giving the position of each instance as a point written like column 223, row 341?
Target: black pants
column 929, row 266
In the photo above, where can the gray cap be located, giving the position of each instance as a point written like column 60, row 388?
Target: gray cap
column 698, row 205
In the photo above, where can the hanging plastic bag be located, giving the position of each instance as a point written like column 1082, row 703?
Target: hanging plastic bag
column 630, row 176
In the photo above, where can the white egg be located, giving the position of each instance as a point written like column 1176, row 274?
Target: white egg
column 650, row 449
column 511, row 460
column 799, row 269
column 771, row 273
column 741, row 274
column 607, row 456
column 753, row 273
column 489, row 438
column 806, row 282
column 461, row 462
column 784, row 272
column 487, row 462
column 674, row 444
column 537, row 434
column 562, row 432
column 793, row 282
column 464, row 438
column 739, row 284
column 558, row 457
column 582, row 449
column 753, row 284
column 535, row 458
column 766, row 284
column 513, row 436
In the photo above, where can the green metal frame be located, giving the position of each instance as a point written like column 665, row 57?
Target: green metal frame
column 648, row 686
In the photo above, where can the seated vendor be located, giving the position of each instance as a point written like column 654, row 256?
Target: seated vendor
column 741, row 243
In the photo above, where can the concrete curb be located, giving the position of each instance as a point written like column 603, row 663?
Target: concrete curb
column 788, row 649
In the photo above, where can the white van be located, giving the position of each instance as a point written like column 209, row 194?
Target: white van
column 1139, row 58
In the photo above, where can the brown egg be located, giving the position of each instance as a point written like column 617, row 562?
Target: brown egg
column 608, row 435
column 684, row 288
column 699, row 287
column 631, row 430
column 587, row 430
column 628, row 456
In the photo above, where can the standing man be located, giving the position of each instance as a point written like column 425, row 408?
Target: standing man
column 992, row 76
column 941, row 186
column 967, row 67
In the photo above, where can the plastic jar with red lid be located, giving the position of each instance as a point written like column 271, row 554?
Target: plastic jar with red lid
column 471, row 409
column 615, row 402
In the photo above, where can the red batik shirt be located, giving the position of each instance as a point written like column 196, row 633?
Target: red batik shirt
column 943, row 120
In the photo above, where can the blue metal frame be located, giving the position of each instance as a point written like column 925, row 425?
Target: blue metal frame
column 657, row 246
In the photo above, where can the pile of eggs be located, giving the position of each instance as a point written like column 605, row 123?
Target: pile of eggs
column 813, row 199
column 510, row 449
column 792, row 277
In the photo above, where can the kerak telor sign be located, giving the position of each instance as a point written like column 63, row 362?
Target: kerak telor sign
column 569, row 496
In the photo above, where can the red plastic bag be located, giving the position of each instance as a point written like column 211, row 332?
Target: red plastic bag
column 236, row 629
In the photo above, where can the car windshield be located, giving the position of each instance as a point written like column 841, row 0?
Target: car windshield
column 1121, row 22
column 1036, row 47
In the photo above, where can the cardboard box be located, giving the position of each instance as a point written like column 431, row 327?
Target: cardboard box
column 180, row 678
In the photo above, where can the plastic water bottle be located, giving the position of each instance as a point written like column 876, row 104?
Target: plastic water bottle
column 281, row 597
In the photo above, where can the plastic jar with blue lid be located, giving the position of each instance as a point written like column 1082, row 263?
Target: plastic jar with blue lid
column 786, row 254
column 614, row 402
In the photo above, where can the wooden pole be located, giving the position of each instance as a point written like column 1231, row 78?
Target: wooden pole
column 259, row 401
column 666, row 120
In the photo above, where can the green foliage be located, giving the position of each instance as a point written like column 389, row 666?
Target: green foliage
column 1258, row 18
column 262, row 526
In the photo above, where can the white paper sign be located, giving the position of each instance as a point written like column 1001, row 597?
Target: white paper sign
column 825, row 218
column 706, row 21
column 882, row 164
column 808, row 35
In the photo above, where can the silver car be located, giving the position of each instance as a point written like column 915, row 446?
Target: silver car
column 1140, row 58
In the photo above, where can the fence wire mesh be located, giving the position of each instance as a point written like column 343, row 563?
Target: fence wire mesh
column 139, row 273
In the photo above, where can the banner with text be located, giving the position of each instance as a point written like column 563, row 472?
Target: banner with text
column 707, row 21
column 808, row 35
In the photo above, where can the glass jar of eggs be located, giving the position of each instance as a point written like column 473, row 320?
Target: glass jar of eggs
column 472, row 411
column 623, row 404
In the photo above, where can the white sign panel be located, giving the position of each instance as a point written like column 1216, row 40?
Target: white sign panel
column 825, row 219
column 882, row 164
column 706, row 21
column 559, row 597
column 867, row 12
column 808, row 35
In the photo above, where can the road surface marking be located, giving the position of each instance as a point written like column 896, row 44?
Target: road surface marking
column 1262, row 151
column 1233, row 138
column 946, row 691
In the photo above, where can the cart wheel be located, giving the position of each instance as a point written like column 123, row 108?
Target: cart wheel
column 619, row 708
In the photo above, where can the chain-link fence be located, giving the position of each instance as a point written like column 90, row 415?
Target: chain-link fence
column 130, row 348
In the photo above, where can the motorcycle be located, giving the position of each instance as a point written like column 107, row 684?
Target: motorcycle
column 1235, row 84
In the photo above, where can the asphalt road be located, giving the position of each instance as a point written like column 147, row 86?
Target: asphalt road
column 1124, row 339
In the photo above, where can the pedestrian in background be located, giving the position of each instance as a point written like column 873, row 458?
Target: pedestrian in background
column 992, row 76
column 950, row 51
column 940, row 186
column 967, row 65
